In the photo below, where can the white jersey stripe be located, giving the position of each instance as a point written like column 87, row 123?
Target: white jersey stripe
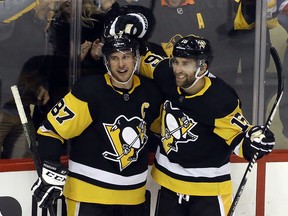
column 209, row 172
column 107, row 177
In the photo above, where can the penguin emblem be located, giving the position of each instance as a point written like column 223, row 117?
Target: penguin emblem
column 127, row 137
column 176, row 128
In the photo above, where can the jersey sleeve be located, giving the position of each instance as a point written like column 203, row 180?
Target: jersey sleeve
column 232, row 128
column 68, row 118
column 230, row 125
column 148, row 64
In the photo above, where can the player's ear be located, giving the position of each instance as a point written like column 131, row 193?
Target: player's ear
column 203, row 66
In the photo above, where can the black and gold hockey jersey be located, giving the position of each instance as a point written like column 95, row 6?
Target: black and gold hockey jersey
column 108, row 130
column 198, row 133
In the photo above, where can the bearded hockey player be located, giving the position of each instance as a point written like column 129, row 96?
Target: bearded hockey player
column 202, row 124
column 107, row 118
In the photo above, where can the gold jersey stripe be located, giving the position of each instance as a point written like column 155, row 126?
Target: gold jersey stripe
column 81, row 191
column 192, row 188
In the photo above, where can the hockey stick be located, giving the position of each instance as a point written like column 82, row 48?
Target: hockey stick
column 28, row 135
column 280, row 90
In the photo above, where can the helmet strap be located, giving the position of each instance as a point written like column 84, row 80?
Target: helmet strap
column 197, row 78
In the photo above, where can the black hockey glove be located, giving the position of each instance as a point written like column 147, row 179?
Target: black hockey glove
column 49, row 187
column 256, row 141
column 134, row 24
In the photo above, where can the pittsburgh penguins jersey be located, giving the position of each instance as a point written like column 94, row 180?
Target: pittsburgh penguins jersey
column 108, row 130
column 198, row 133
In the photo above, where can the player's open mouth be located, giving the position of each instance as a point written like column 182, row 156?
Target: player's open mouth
column 180, row 77
column 122, row 71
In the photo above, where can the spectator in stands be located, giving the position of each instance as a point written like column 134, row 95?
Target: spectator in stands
column 32, row 84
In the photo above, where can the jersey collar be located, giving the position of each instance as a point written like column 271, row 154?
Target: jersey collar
column 136, row 82
column 201, row 92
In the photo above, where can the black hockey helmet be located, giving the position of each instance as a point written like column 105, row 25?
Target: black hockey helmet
column 120, row 43
column 193, row 47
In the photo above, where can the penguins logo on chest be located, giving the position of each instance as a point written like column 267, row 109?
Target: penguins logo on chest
column 176, row 128
column 127, row 137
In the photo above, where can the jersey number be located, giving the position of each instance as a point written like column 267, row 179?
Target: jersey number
column 240, row 121
column 153, row 60
column 56, row 110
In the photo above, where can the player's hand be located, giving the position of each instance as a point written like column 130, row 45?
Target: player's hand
column 134, row 24
column 257, row 141
column 49, row 186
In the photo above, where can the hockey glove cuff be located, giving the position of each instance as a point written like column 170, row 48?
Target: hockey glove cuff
column 255, row 141
column 49, row 186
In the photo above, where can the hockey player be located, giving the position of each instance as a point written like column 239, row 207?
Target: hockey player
column 202, row 124
column 107, row 118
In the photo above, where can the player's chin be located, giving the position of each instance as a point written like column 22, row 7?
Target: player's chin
column 124, row 77
column 180, row 82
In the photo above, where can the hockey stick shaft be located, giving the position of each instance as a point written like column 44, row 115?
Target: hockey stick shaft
column 280, row 89
column 270, row 118
column 29, row 138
